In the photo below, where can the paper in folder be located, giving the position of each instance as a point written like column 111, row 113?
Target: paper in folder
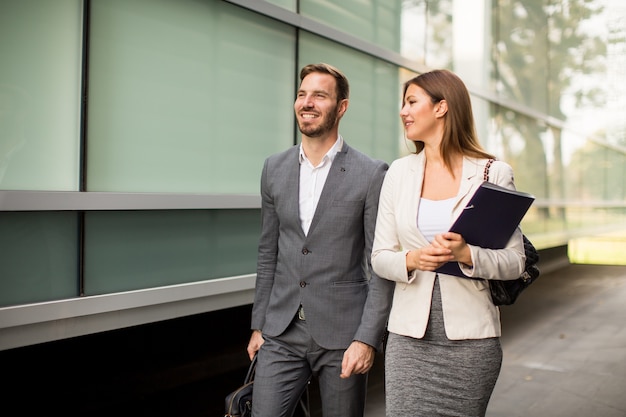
column 489, row 219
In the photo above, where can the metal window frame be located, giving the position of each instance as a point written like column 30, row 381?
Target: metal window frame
column 30, row 324
column 88, row 201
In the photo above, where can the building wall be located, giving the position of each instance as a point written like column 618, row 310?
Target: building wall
column 133, row 132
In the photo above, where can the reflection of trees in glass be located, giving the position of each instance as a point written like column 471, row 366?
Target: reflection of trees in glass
column 616, row 61
column 439, row 37
column 540, row 49
column 597, row 172
column 437, row 31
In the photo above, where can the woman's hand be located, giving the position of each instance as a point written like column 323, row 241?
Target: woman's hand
column 457, row 246
column 428, row 258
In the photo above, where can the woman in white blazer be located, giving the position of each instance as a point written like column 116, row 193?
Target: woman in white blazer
column 443, row 353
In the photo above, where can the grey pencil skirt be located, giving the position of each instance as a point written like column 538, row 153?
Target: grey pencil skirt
column 435, row 376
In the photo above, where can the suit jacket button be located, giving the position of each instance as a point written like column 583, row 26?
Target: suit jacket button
column 302, row 284
column 305, row 251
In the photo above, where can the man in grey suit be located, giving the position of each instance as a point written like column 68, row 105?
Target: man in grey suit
column 318, row 307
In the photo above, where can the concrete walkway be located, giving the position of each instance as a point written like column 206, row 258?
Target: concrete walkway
column 564, row 345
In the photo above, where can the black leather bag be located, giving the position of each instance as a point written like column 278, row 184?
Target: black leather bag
column 506, row 292
column 239, row 402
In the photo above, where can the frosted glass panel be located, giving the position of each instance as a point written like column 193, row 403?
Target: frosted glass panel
column 376, row 21
column 186, row 96
column 40, row 46
column 142, row 249
column 38, row 257
column 372, row 122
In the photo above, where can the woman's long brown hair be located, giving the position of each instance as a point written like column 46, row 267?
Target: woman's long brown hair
column 459, row 133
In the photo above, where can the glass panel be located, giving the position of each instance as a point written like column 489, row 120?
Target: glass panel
column 413, row 32
column 588, row 69
column 38, row 257
column 579, row 36
column 142, row 249
column 519, row 141
column 596, row 173
column 372, row 122
column 461, row 39
column 564, row 59
column 441, row 33
column 186, row 96
column 521, row 53
column 40, row 46
column 375, row 21
column 578, row 182
column 481, row 109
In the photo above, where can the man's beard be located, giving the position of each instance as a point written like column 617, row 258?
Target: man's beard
column 325, row 127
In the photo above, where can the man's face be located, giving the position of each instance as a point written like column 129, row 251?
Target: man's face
column 316, row 107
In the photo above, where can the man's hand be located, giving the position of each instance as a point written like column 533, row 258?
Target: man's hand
column 256, row 340
column 357, row 359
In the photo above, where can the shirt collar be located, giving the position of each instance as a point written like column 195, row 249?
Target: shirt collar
column 330, row 155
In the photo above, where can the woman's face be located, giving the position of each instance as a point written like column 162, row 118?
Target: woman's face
column 419, row 116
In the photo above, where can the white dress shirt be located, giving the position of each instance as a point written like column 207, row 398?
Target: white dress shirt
column 312, row 180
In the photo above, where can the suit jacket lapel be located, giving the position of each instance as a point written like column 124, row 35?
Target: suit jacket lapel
column 291, row 193
column 336, row 175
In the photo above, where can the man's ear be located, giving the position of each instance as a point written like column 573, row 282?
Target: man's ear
column 441, row 108
column 343, row 106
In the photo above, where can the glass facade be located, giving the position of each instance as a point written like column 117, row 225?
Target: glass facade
column 374, row 21
column 368, row 125
column 39, row 256
column 40, row 80
column 132, row 250
column 187, row 98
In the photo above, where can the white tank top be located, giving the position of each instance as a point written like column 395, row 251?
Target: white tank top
column 434, row 217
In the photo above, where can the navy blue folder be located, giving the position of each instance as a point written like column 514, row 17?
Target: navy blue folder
column 489, row 219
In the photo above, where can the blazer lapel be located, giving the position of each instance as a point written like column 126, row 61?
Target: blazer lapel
column 417, row 174
column 291, row 192
column 336, row 175
column 472, row 172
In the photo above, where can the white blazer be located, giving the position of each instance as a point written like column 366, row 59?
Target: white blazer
column 468, row 311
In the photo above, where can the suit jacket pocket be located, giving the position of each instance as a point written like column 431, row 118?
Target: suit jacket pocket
column 347, row 208
column 358, row 283
column 344, row 215
column 349, row 203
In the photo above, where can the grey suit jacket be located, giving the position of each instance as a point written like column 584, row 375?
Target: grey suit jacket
column 328, row 271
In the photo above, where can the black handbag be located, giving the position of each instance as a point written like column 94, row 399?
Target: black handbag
column 239, row 402
column 506, row 292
